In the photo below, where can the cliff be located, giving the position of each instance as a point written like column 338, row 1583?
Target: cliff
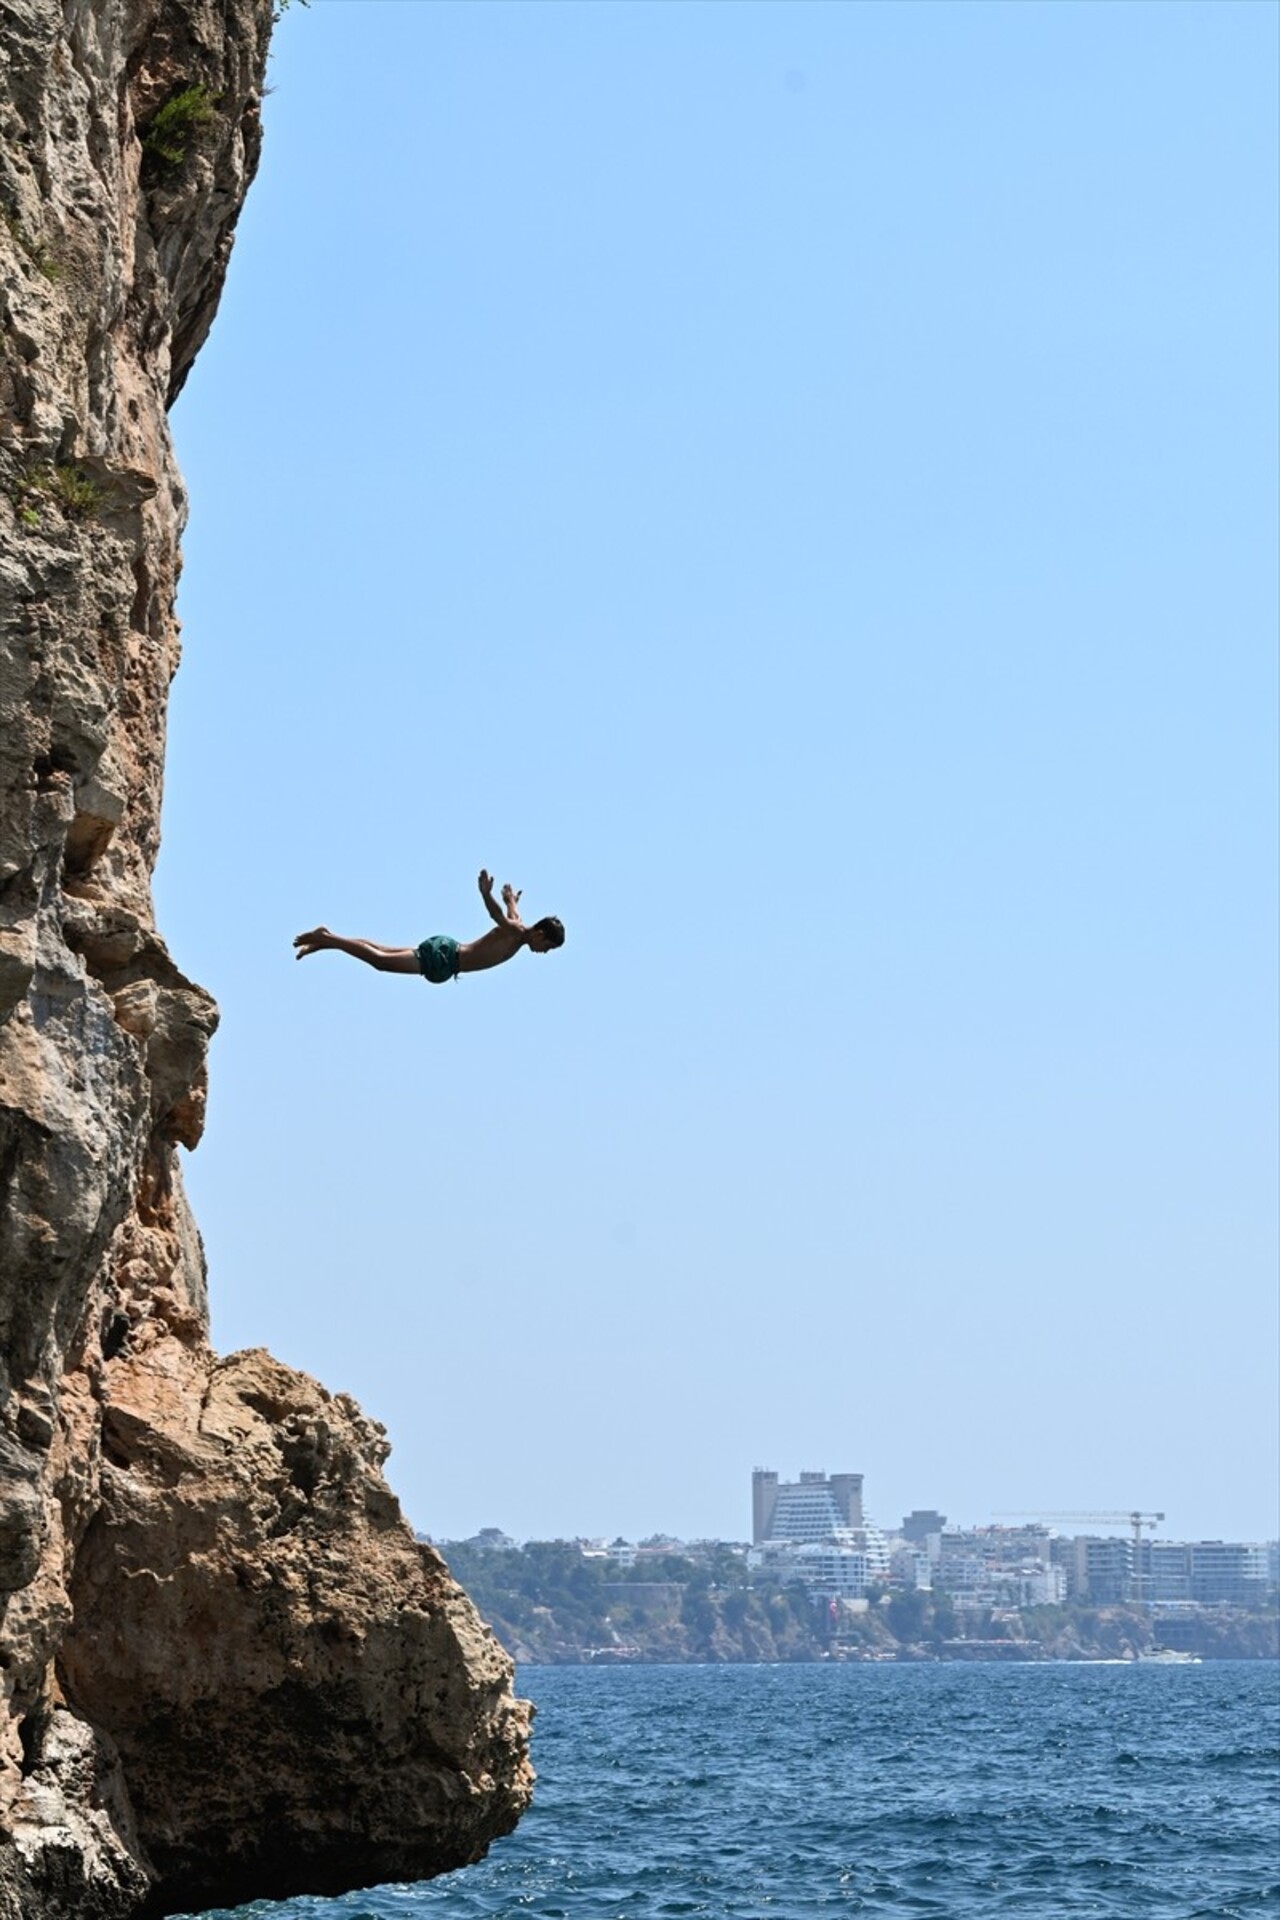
column 228, row 1669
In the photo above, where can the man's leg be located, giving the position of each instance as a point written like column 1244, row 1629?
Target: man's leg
column 385, row 959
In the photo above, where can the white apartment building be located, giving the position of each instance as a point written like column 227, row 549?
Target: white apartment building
column 1191, row 1572
column 813, row 1530
column 811, row 1508
column 911, row 1565
column 999, row 1567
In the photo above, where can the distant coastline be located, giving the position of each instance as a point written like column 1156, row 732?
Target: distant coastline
column 550, row 1605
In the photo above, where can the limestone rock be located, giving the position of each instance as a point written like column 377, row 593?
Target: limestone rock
column 226, row 1669
column 205, row 1649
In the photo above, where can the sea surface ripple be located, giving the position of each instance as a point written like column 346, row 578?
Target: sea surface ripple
column 780, row 1793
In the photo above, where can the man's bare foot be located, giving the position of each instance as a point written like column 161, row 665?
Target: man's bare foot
column 314, row 942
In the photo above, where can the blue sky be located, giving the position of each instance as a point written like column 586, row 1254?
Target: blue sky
column 793, row 487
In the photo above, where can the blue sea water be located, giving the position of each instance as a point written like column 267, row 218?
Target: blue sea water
column 781, row 1793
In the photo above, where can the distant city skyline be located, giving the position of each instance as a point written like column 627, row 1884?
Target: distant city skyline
column 813, row 1535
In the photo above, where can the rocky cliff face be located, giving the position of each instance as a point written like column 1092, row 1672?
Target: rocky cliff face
column 227, row 1668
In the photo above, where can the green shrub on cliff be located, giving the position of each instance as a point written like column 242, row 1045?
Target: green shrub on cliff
column 171, row 130
column 66, row 485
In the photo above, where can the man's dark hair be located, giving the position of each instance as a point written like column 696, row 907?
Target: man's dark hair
column 552, row 928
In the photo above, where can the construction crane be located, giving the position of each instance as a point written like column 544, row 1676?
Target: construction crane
column 1131, row 1519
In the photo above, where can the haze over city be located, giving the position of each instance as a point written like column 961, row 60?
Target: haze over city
column 793, row 488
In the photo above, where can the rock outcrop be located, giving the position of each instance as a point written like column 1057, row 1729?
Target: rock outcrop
column 227, row 1668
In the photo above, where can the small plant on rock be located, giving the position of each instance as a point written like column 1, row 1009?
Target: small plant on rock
column 172, row 128
column 76, row 492
column 27, row 491
column 66, row 485
column 34, row 250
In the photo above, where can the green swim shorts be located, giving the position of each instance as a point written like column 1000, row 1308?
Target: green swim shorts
column 438, row 958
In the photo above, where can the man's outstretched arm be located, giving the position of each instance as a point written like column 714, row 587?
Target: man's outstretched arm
column 509, row 915
column 492, row 908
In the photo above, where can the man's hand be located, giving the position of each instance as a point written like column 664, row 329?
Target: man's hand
column 511, row 901
column 486, row 883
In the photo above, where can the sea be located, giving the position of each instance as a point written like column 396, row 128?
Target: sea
column 814, row 1792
